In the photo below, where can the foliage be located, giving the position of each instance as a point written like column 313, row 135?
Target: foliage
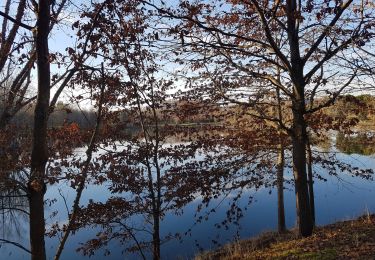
column 194, row 98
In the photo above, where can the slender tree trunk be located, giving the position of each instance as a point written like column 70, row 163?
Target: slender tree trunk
column 280, row 166
column 156, row 234
column 304, row 218
column 310, row 181
column 85, row 169
column 154, row 196
column 39, row 155
column 7, row 42
column 15, row 95
column 280, row 189
column 157, row 241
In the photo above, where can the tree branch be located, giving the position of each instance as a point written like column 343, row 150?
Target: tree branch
column 326, row 31
column 333, row 98
column 27, row 27
column 15, row 244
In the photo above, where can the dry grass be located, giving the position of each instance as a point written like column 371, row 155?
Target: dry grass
column 353, row 239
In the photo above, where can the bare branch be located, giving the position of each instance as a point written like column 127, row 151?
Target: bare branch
column 326, row 31
column 15, row 244
column 333, row 98
column 18, row 22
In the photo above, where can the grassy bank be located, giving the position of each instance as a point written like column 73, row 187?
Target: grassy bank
column 353, row 239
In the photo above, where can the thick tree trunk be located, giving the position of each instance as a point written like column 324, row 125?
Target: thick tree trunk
column 299, row 137
column 156, row 236
column 280, row 190
column 37, row 224
column 39, row 155
column 310, row 182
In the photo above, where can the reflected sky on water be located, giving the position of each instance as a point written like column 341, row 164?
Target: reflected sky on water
column 336, row 199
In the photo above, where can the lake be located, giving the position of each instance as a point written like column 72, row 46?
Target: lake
column 336, row 199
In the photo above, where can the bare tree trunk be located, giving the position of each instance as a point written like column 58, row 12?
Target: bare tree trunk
column 39, row 155
column 280, row 165
column 310, row 180
column 156, row 236
column 15, row 98
column 7, row 42
column 280, row 189
column 5, row 49
column 299, row 137
column 304, row 218
column 154, row 196
column 157, row 241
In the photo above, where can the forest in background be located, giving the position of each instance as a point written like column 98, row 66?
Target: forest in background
column 253, row 85
column 360, row 107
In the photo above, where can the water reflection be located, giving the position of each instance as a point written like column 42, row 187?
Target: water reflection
column 360, row 143
column 336, row 199
column 13, row 212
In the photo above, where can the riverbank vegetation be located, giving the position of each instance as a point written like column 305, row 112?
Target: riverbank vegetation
column 352, row 239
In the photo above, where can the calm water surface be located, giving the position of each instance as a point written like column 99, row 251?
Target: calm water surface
column 336, row 199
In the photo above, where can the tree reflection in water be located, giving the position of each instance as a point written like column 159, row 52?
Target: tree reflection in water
column 361, row 143
column 13, row 200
